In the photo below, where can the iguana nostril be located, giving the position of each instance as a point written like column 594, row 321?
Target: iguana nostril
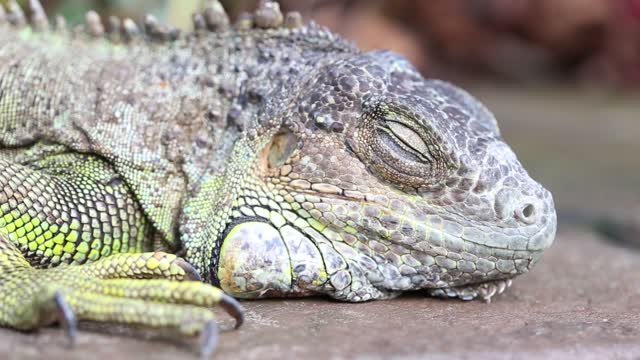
column 510, row 204
column 527, row 214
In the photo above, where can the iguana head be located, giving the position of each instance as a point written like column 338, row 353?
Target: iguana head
column 385, row 181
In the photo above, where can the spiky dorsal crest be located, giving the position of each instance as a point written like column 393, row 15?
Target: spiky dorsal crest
column 15, row 15
column 212, row 18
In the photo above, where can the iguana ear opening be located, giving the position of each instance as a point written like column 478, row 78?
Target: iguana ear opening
column 282, row 146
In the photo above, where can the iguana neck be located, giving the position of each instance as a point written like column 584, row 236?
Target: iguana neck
column 183, row 104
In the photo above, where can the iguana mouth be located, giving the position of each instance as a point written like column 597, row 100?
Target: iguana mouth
column 537, row 235
column 292, row 249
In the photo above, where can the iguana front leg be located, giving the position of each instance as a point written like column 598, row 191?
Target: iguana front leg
column 50, row 218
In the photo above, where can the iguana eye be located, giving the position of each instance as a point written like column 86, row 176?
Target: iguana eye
column 394, row 144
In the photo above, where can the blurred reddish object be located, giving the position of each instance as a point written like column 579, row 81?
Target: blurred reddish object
column 591, row 41
column 618, row 61
column 634, row 7
column 367, row 26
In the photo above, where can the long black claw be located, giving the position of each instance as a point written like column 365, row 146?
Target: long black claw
column 233, row 308
column 190, row 272
column 66, row 317
column 209, row 337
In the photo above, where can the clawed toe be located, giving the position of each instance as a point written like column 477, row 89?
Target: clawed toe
column 191, row 273
column 66, row 317
column 210, row 337
column 233, row 308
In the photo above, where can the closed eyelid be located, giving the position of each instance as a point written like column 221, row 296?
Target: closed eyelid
column 395, row 143
column 392, row 141
column 409, row 137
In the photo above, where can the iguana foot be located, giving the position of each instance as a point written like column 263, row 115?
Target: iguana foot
column 150, row 290
column 483, row 291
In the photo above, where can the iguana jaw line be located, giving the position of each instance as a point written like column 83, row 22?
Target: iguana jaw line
column 368, row 252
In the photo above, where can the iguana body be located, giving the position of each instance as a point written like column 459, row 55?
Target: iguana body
column 276, row 159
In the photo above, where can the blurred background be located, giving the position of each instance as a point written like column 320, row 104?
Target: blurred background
column 582, row 42
column 562, row 77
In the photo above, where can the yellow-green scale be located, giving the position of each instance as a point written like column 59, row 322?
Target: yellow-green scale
column 75, row 216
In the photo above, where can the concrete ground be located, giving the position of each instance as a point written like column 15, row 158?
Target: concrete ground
column 582, row 301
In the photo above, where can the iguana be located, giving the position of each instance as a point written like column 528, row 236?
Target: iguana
column 267, row 158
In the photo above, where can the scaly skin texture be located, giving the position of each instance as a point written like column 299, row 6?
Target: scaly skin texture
column 275, row 158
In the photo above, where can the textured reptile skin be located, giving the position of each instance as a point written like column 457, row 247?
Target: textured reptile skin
column 276, row 158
